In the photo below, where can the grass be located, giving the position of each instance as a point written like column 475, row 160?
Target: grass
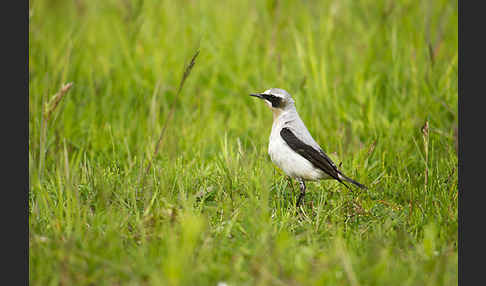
column 374, row 81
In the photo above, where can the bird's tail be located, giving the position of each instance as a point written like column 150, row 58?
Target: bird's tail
column 348, row 179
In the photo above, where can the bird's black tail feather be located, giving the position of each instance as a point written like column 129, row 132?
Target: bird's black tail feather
column 348, row 179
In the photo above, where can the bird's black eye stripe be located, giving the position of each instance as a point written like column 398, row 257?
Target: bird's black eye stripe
column 275, row 100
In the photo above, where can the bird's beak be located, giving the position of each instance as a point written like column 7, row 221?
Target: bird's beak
column 259, row 95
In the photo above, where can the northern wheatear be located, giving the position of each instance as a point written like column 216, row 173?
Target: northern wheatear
column 292, row 148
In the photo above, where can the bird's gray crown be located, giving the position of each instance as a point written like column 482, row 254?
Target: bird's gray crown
column 276, row 99
column 286, row 98
column 278, row 92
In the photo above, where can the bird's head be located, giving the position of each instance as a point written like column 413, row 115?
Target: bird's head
column 278, row 100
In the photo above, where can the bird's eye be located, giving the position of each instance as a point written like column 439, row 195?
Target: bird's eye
column 275, row 100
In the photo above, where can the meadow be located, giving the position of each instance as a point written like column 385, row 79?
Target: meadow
column 139, row 178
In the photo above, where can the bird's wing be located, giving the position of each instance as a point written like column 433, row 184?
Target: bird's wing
column 317, row 157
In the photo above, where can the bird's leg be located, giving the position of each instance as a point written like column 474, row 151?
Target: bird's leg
column 302, row 192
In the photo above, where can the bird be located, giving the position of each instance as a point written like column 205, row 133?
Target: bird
column 293, row 149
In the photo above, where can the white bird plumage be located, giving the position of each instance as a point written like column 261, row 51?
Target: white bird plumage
column 291, row 146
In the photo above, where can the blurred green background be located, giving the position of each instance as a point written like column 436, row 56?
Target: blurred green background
column 366, row 77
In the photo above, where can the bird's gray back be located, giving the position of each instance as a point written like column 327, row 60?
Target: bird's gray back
column 292, row 120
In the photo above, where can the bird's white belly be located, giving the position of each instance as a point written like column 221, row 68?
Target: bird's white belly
column 293, row 164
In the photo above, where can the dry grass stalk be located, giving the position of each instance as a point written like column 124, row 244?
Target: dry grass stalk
column 425, row 135
column 48, row 110
column 52, row 104
column 371, row 149
column 187, row 72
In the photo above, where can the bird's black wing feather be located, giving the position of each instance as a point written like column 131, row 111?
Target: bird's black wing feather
column 317, row 157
